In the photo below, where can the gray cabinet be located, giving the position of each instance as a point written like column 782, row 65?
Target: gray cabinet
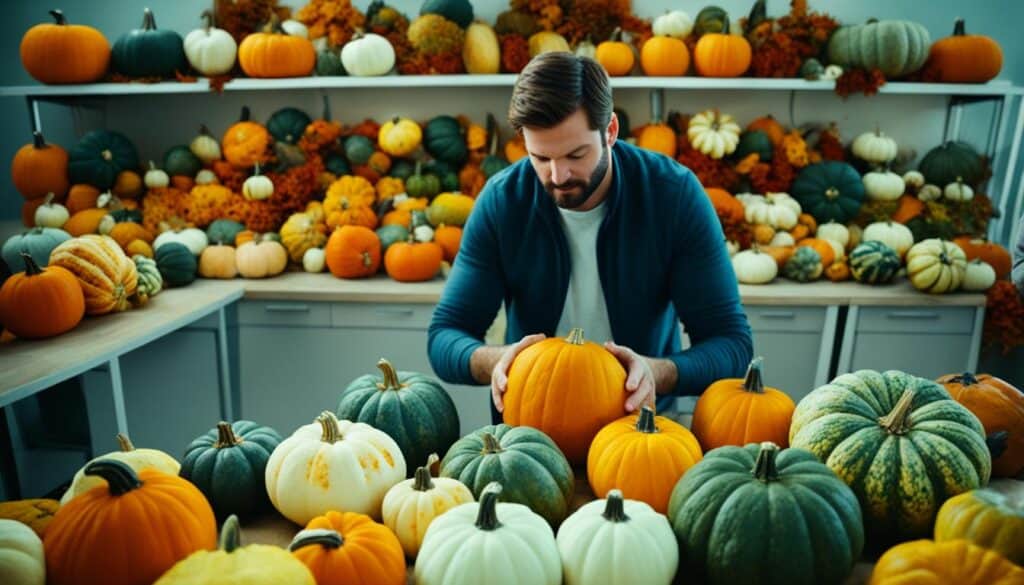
column 796, row 344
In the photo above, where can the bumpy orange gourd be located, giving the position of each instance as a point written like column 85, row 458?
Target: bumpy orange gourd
column 349, row 188
column 39, row 169
column 413, row 261
column 345, row 548
column 64, row 53
column 1000, row 408
column 954, row 561
column 352, row 214
column 41, row 302
column 107, row 276
column 353, row 251
column 272, row 53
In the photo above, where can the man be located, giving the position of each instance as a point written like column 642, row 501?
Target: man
column 589, row 231
column 1018, row 259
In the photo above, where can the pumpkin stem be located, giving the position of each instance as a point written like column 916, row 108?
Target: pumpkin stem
column 959, row 29
column 124, row 443
column 229, row 539
column 58, row 17
column 31, row 268
column 390, row 375
column 896, row 421
column 204, row 131
column 37, row 140
column 614, row 510
column 575, row 336
column 487, row 517
column 423, row 483
column 256, row 170
column 107, row 155
column 207, row 15
column 645, row 423
column 244, row 117
column 121, row 478
column 322, row 536
column 764, row 468
column 329, row 423
column 965, row 379
column 274, row 25
column 226, row 436
column 367, row 261
column 616, row 36
column 831, row 193
column 754, row 380
column 148, row 20
column 997, row 443
column 48, row 202
column 491, row 444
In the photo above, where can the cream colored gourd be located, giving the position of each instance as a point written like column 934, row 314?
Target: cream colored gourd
column 832, row 72
column 410, row 506
column 777, row 210
column 333, row 465
column 368, row 55
column 206, row 177
column 979, row 276
column 913, row 180
column 617, row 542
column 218, row 261
column 155, row 178
column 106, row 225
column 21, row 555
column 883, row 186
column 137, row 459
column 958, row 191
column 585, row 48
column 674, row 23
column 874, row 147
column 51, row 215
column 835, row 232
column 895, row 235
column 295, row 28
column 754, row 267
column 314, row 260
column 783, row 239
column 257, row 187
column 260, row 259
column 936, row 266
column 733, row 247
column 210, row 50
column 713, row 133
column 929, row 193
column 205, row 146
column 192, row 238
column 481, row 53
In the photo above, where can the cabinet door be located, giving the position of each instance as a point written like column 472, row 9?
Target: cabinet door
column 790, row 340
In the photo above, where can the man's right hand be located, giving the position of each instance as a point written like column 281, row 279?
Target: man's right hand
column 499, row 375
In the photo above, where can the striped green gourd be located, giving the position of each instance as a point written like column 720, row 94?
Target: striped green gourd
column 804, row 265
column 150, row 280
column 874, row 263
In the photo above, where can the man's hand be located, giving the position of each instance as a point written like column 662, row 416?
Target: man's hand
column 641, row 381
column 499, row 375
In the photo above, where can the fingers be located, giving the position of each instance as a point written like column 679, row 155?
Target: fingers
column 643, row 395
column 499, row 404
column 628, row 359
column 499, row 376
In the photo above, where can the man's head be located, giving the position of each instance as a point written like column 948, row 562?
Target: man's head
column 563, row 106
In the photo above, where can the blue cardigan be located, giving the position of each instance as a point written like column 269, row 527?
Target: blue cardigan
column 661, row 257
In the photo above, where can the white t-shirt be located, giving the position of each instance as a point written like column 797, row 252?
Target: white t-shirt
column 584, row 301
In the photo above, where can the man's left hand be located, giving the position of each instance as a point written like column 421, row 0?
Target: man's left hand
column 640, row 381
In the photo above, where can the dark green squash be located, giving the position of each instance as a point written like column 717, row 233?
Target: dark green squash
column 449, row 182
column 492, row 165
column 829, row 191
column 98, row 158
column 37, row 242
column 755, row 141
column 507, row 455
column 149, row 52
column 926, row 229
column 336, row 163
column 760, row 514
column 943, row 164
column 223, row 231
column 413, row 409
column 874, row 263
column 126, row 215
column 228, row 465
column 422, row 185
column 176, row 264
column 458, row 11
column 288, row 124
column 179, row 160
column 402, row 168
column 358, row 149
column 389, row 234
column 710, row 19
column 328, row 64
column 444, row 140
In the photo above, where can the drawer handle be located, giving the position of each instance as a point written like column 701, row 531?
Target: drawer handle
column 395, row 312
column 913, row 315
column 286, row 308
column 778, row 315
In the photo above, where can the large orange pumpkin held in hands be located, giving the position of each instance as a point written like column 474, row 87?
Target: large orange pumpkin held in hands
column 569, row 388
column 41, row 302
column 64, row 53
column 1000, row 408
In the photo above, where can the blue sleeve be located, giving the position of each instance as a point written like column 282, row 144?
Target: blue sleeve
column 706, row 297
column 471, row 297
column 1018, row 259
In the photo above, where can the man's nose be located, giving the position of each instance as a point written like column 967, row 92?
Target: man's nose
column 559, row 172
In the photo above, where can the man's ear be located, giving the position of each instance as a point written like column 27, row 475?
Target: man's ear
column 613, row 130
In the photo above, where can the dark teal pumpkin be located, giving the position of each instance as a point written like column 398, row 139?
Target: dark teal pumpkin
column 755, row 141
column 874, row 263
column 444, row 140
column 529, row 465
column 422, row 185
column 37, row 242
column 413, row 409
column 228, row 465
column 389, row 234
column 336, row 163
column 126, row 215
column 758, row 514
column 99, row 156
column 402, row 168
column 458, row 11
column 149, row 52
column 223, row 231
column 829, row 191
column 176, row 264
column 328, row 64
column 358, row 149
column 288, row 125
column 943, row 164
column 179, row 160
column 492, row 165
column 711, row 19
column 449, row 182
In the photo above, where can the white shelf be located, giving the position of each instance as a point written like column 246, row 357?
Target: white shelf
column 992, row 88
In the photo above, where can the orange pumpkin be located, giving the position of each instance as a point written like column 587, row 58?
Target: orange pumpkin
column 64, row 53
column 515, row 149
column 995, row 255
column 567, row 387
column 770, row 126
column 822, row 247
column 366, row 172
column 185, row 183
column 353, row 252
column 352, row 215
column 345, row 548
column 245, row 236
column 780, row 254
column 82, row 197
column 664, row 57
column 39, row 169
column 272, row 53
column 388, row 187
column 379, row 162
column 722, row 54
column 353, row 190
column 245, row 143
column 928, row 562
column 413, row 261
column 85, row 222
column 739, row 411
column 128, row 185
column 659, row 138
column 148, row 521
column 964, row 58
column 663, row 448
column 1000, row 408
column 615, row 56
column 763, row 233
column 126, row 232
column 910, row 207
column 41, row 302
column 726, row 204
column 449, row 237
column 838, row 271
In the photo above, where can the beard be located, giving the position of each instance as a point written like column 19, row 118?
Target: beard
column 576, row 191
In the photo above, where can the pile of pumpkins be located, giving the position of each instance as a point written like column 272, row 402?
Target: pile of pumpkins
column 759, row 486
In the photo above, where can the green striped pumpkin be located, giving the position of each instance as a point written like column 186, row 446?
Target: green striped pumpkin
column 150, row 280
column 874, row 263
column 804, row 265
column 507, row 455
column 901, row 442
column 758, row 514
column 176, row 263
column 413, row 409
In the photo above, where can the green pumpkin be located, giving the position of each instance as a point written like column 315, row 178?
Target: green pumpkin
column 126, row 215
column 422, row 185
column 288, row 125
column 179, row 160
column 336, row 163
column 150, row 280
column 812, row 69
column 177, row 264
column 449, row 182
column 444, row 140
column 37, row 242
column 901, row 442
column 507, row 455
column 924, row 229
column 896, row 47
column 804, row 265
column 228, row 465
column 492, row 165
column 440, row 168
column 148, row 52
column 402, row 168
column 389, row 234
column 328, row 64
column 711, row 19
column 944, row 164
column 98, row 158
column 223, row 231
column 760, row 514
column 413, row 409
column 358, row 149
column 755, row 141
column 829, row 191
column 458, row 11
column 874, row 263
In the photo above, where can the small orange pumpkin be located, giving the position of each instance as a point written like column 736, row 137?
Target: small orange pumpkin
column 449, row 237
column 82, row 197
column 413, row 261
column 362, row 215
column 822, row 247
column 351, row 549
column 995, row 255
column 352, row 189
column 780, row 254
column 964, row 58
column 388, row 187
column 353, row 251
column 664, row 57
column 245, row 143
column 910, row 207
column 838, row 271
column 1000, row 407
column 770, row 126
column 85, row 222
column 659, row 138
column 615, row 56
column 41, row 302
column 64, row 53
column 126, row 232
column 128, row 185
column 39, row 169
column 725, row 203
column 515, row 149
column 272, row 53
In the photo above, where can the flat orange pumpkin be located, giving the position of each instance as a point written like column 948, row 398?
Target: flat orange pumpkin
column 345, row 548
column 1000, row 408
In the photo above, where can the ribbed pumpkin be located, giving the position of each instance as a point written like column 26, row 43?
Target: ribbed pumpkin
column 99, row 157
column 349, row 189
column 40, row 168
column 137, row 459
column 758, row 514
column 963, row 58
column 41, row 302
column 260, row 259
column 343, row 548
column 550, row 382
column 272, row 53
column 412, row 261
column 148, row 51
column 740, row 411
column 947, row 162
column 245, row 142
column 414, row 409
column 107, row 275
column 37, row 242
column 410, row 506
column 804, row 265
column 956, row 561
column 64, row 53
column 150, row 282
column 722, row 54
column 991, row 517
column 149, row 521
column 896, row 47
column 400, row 136
column 176, row 263
column 300, row 233
column 874, row 263
column 1000, row 408
column 993, row 254
column 505, row 454
column 643, row 456
column 899, row 441
column 21, row 551
column 353, row 252
column 36, row 513
column 936, row 266
column 829, row 191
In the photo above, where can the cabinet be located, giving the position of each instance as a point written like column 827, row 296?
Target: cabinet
column 796, row 344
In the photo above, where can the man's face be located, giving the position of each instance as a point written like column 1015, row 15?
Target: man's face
column 570, row 159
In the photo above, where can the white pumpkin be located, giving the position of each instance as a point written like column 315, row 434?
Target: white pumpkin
column 979, row 276
column 783, row 239
column 206, row 177
column 929, row 193
column 368, row 55
column 832, row 72
column 210, row 50
column 21, row 555
column 754, row 267
column 838, row 251
column 874, row 147
column 835, row 232
column 106, row 225
column 156, row 178
column 497, row 544
column 936, row 266
column 914, row 180
column 411, row 506
column 50, row 214
column 257, row 187
column 713, row 133
column 674, row 23
column 423, row 233
column 193, row 238
column 617, row 542
column 883, row 186
column 294, row 28
column 777, row 210
column 313, row 260
column 895, row 235
column 585, row 48
column 333, row 465
column 137, row 459
column 958, row 191
column 205, row 146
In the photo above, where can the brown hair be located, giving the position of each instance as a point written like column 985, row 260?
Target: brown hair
column 553, row 85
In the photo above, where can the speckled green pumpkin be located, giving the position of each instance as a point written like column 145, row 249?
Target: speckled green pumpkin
column 896, row 47
column 804, row 265
column 177, row 264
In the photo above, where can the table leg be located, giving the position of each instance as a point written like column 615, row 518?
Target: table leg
column 223, row 363
column 118, row 391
